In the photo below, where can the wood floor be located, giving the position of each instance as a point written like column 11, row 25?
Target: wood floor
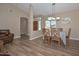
column 25, row 47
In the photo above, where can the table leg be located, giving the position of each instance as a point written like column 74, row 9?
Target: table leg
column 49, row 41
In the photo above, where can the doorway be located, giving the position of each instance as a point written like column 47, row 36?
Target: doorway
column 23, row 26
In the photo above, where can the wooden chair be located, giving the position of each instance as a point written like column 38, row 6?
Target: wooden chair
column 46, row 35
column 43, row 32
column 68, row 38
column 60, row 29
column 55, row 36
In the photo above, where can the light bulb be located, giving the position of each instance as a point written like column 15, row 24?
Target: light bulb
column 57, row 17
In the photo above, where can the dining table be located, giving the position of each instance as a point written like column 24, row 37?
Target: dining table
column 62, row 35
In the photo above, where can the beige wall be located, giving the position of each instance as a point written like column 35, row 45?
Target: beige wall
column 10, row 18
column 32, row 34
column 30, row 23
column 74, row 25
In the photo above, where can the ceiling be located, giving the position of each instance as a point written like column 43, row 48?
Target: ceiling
column 46, row 8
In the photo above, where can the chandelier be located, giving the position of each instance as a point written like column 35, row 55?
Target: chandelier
column 53, row 13
column 63, row 20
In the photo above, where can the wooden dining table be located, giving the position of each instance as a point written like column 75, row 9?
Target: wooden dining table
column 62, row 35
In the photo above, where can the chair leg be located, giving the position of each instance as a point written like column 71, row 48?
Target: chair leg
column 43, row 39
column 69, row 43
column 59, row 44
column 49, row 41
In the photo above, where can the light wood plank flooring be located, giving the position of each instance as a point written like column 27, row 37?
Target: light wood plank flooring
column 25, row 47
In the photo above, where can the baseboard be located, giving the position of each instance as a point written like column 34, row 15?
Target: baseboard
column 42, row 35
column 36, row 37
column 29, row 39
column 17, row 37
column 75, row 38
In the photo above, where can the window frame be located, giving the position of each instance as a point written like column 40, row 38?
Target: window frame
column 50, row 22
column 40, row 25
column 38, row 19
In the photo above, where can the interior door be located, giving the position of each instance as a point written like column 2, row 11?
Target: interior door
column 23, row 26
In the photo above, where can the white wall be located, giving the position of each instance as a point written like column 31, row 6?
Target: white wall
column 10, row 18
column 36, row 34
column 74, row 25
column 30, row 22
column 74, row 15
column 32, row 34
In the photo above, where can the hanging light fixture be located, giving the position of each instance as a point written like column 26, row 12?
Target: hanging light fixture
column 63, row 20
column 66, row 20
column 53, row 13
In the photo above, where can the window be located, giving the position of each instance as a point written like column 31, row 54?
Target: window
column 35, row 25
column 38, row 24
column 47, row 24
column 50, row 22
column 53, row 23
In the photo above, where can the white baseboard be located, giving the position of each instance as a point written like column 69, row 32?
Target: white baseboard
column 15, row 37
column 36, row 37
column 75, row 38
column 41, row 36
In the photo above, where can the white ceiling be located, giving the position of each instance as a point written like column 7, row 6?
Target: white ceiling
column 46, row 8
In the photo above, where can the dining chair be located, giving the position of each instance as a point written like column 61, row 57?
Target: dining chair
column 60, row 29
column 46, row 35
column 55, row 36
column 43, row 32
column 68, row 38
